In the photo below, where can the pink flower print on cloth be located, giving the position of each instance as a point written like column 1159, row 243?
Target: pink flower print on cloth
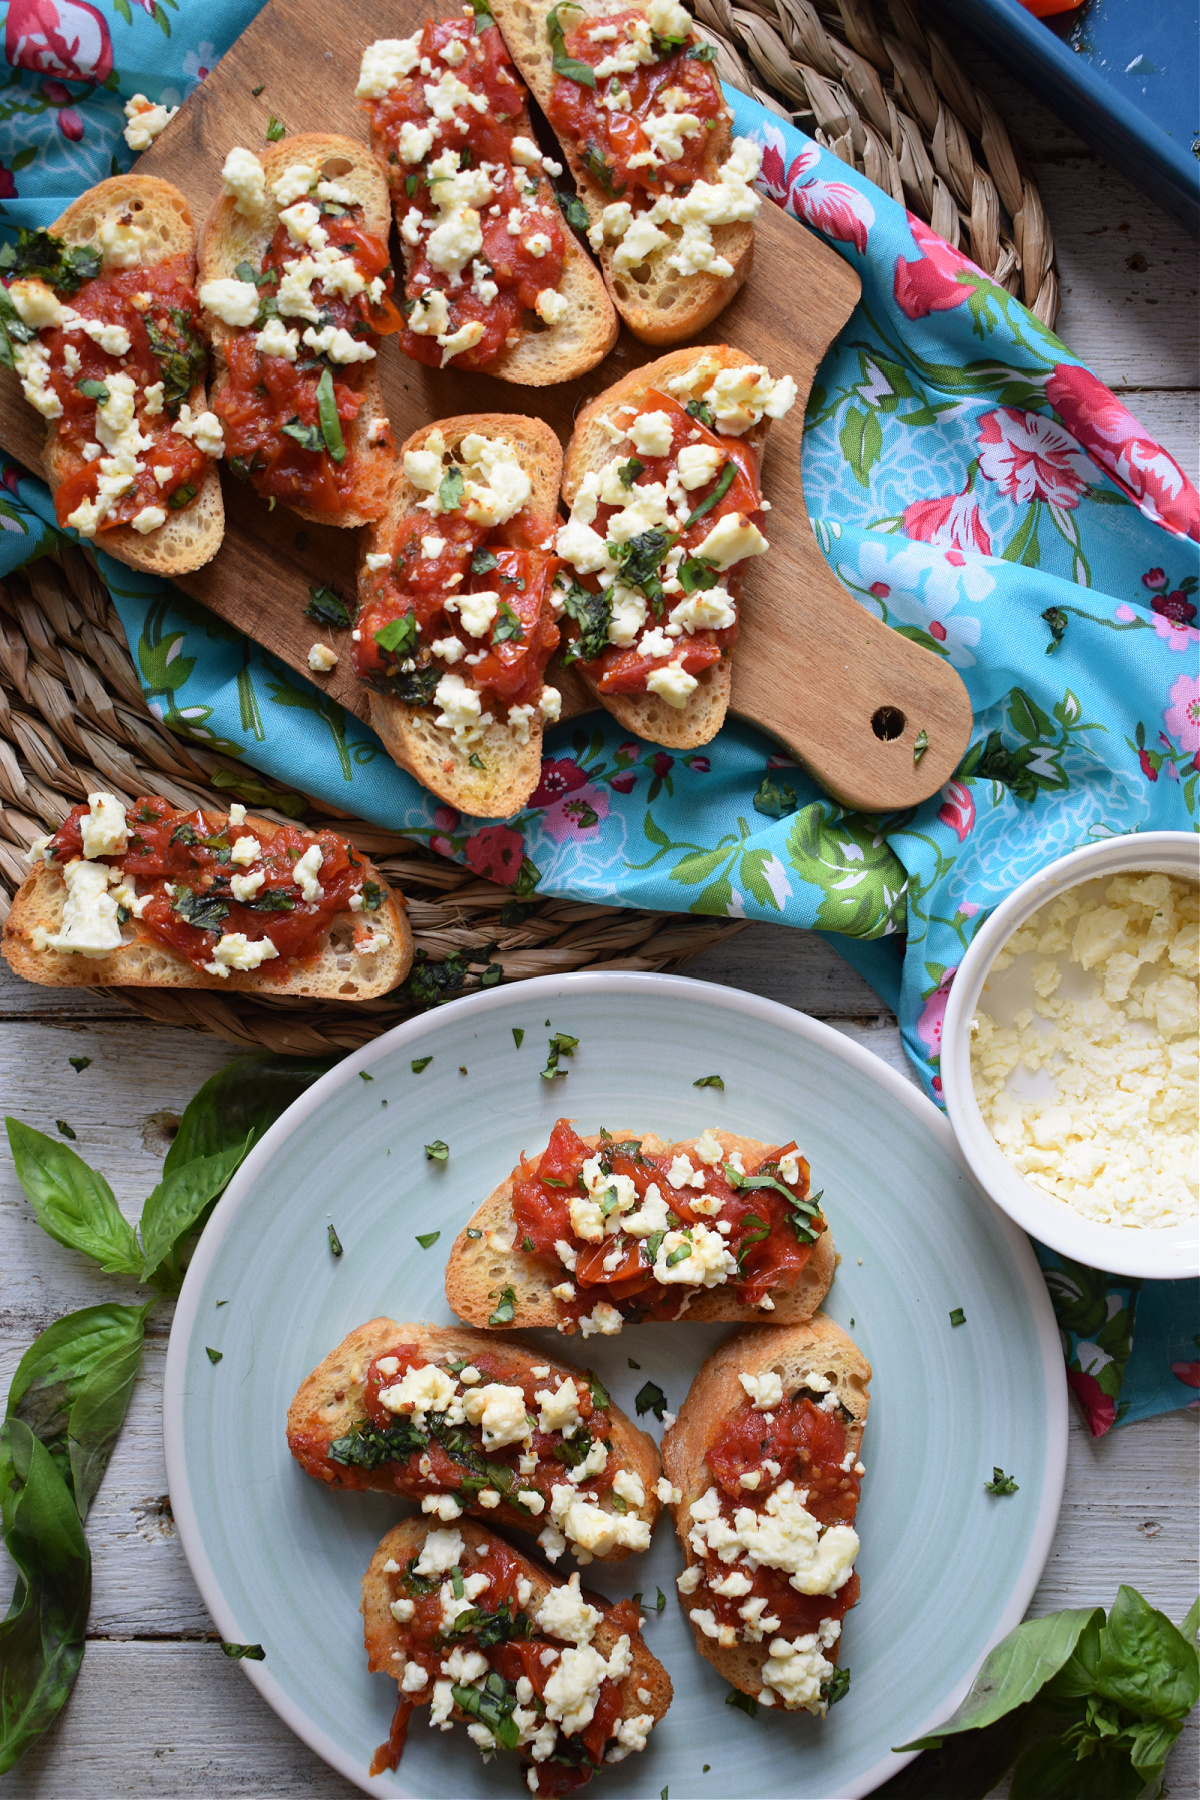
column 1032, row 458
column 833, row 207
column 1182, row 717
column 67, row 38
column 953, row 522
column 1151, row 477
column 931, row 284
column 958, row 812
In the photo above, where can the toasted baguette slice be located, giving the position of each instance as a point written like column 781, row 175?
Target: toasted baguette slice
column 330, row 1401
column 545, row 354
column 510, row 770
column 658, row 305
column 142, row 961
column 192, row 536
column 818, row 1347
column 646, row 1691
column 476, row 1271
column 230, row 239
column 649, row 715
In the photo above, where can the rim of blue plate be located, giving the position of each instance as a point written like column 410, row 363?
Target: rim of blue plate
column 552, row 988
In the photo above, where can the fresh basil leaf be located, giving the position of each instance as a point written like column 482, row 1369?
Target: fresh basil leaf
column 560, row 1045
column 367, row 1446
column 518, row 1032
column 483, row 16
column 507, row 628
column 600, row 1399
column 206, row 911
column 372, row 896
column 1001, row 1483
column 837, row 1687
column 450, row 492
column 1015, row 1672
column 327, row 412
column 94, row 390
column 47, row 258
column 568, row 66
column 1145, row 1662
column 244, row 1652
column 335, row 1242
column 13, row 329
column 506, row 1307
column 920, row 745
column 181, row 354
column 650, row 1398
column 42, row 1638
column 695, row 573
column 483, row 562
column 398, row 638
column 701, row 410
column 276, row 129
column 99, row 1412
column 573, row 210
column 726, row 481
column 257, row 277
column 174, row 1209
column 326, row 607
column 774, row 800
column 427, row 1239
column 715, row 1081
column 640, row 559
column 65, row 1130
column 72, row 1203
column 958, row 1316
column 245, row 1097
column 214, row 1356
column 744, row 1702
column 80, row 1063
column 629, row 471
column 600, row 171
column 592, row 613
column 437, row 1151
column 701, row 53
column 181, row 497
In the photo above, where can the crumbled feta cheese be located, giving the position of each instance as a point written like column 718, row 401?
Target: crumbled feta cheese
column 322, row 658
column 551, row 307
column 731, row 540
column 424, row 1390
column 795, row 1670
column 89, row 924
column 603, row 1318
column 244, row 180
column 122, row 242
column 202, row 429
column 36, row 304
column 104, row 830
column 565, row 1614
column 445, row 1506
column 384, row 65
column 672, row 684
column 651, row 433
column 236, row 951
column 146, row 120
column 765, row 1390
column 244, row 887
column 630, row 1487
column 500, row 1412
column 560, row 1409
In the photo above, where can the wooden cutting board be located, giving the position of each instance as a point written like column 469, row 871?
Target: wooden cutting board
column 846, row 695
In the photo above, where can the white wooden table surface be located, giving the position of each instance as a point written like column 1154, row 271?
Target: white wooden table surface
column 157, row 1712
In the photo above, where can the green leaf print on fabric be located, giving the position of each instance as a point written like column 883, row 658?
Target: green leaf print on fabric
column 1034, row 765
column 861, row 438
column 285, row 692
column 164, row 670
column 862, row 878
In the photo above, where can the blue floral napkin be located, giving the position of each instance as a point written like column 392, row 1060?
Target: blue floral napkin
column 968, row 479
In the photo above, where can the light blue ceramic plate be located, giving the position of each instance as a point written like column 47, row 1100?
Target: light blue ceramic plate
column 946, row 1568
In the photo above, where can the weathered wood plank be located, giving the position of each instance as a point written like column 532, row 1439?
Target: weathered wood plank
column 797, row 968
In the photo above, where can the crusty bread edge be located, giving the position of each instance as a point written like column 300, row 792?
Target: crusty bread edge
column 328, row 1403
column 535, row 1305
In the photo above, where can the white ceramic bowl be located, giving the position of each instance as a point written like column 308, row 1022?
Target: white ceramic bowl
column 1165, row 1255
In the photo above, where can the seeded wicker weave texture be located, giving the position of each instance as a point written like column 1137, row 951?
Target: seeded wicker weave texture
column 877, row 85
column 72, row 719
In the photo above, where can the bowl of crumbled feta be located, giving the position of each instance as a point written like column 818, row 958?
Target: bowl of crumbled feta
column 1069, row 1055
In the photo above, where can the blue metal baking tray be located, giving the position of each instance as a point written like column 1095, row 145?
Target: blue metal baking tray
column 1124, row 73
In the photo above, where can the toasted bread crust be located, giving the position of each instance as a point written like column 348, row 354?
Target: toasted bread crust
column 329, row 1401
column 475, row 1273
column 191, row 537
column 662, row 307
column 230, row 239
column 142, row 961
column 818, row 1346
column 511, row 771
column 648, row 715
column 548, row 354
column 383, row 1636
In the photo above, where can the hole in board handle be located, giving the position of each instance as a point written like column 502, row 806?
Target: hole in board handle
column 888, row 722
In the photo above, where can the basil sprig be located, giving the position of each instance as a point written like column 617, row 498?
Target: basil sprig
column 600, row 171
column 68, row 1397
column 398, row 638
column 562, row 64
column 331, row 425
column 1076, row 1704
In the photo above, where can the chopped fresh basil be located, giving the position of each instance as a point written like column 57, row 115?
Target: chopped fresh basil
column 700, row 409
column 774, row 800
column 632, row 1364
column 244, row 1652
column 518, row 1035
column 837, row 1687
column 483, row 562
column 307, row 436
column 728, row 476
column 80, row 1063
column 1058, row 621
column 94, row 390
column 679, row 1254
column 471, row 1232
column 410, row 185
column 600, row 1399
column 661, row 1602
column 493, row 1705
column 483, row 16
column 62, row 266
column 276, row 129
column 363, row 1076
column 398, row 638
column 450, row 492
column 654, row 1245
column 270, row 900
column 366, row 1446
column 335, row 1242
column 490, row 1628
column 700, row 53
column 1001, row 1483
column 744, row 1702
column 181, row 355
column 573, row 210
column 639, row 560
column 574, row 1450
column 629, row 472
column 710, row 1081
column 13, row 329
column 214, row 1356
column 507, row 628
column 64, row 1130
column 958, row 1316
column 372, row 896
column 619, row 1505
column 568, row 66
column 181, row 497
column 600, row 171
column 695, row 573
column 560, row 1045
column 205, row 911
column 255, row 277
column 506, row 1308
column 920, row 745
column 331, row 425
column 438, row 1151
column 326, row 607
column 756, row 1235
column 651, row 1398
column 412, row 687
column 419, row 1063
column 592, row 613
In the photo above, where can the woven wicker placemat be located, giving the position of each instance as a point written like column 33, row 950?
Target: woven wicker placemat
column 72, row 719
column 877, row 85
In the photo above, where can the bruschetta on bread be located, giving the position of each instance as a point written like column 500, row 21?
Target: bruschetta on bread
column 495, row 279
column 457, row 609
column 466, row 1625
column 663, row 480
column 764, row 1461
column 100, row 321
column 467, row 1422
column 634, row 99
column 599, row 1230
column 152, row 896
column 295, row 282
